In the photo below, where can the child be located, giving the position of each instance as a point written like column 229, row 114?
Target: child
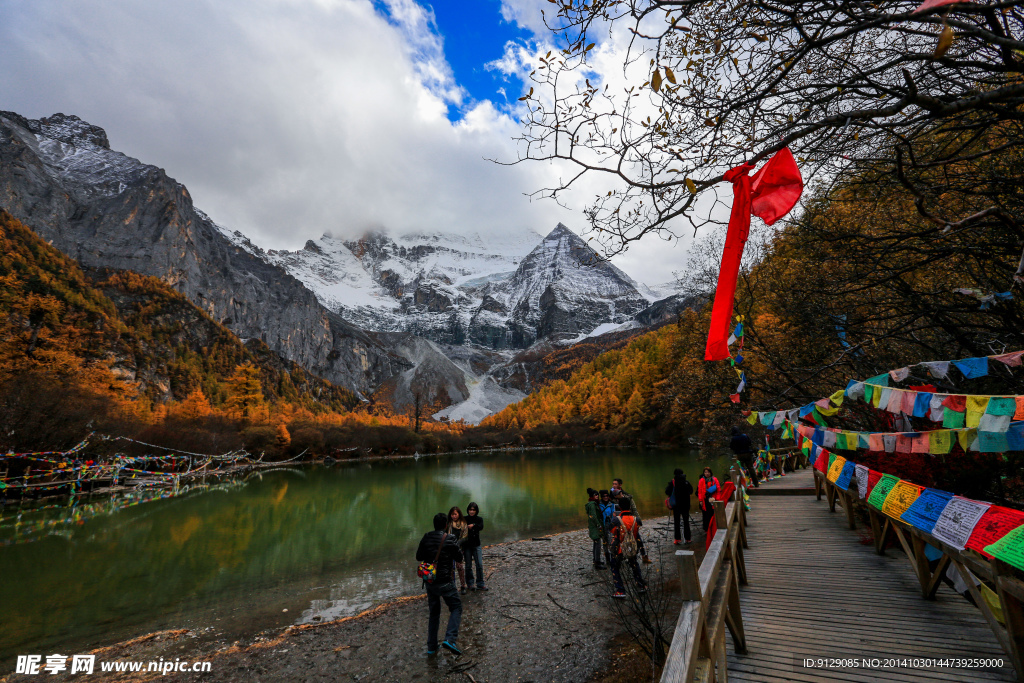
column 474, row 551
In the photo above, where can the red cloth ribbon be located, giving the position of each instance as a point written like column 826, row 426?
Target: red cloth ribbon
column 770, row 194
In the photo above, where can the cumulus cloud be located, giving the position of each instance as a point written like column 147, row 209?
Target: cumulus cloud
column 290, row 118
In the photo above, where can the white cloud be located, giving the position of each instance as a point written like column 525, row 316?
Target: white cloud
column 289, row 118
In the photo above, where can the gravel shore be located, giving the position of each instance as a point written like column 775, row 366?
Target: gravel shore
column 548, row 616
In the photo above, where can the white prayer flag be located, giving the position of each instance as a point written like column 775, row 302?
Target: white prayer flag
column 958, row 520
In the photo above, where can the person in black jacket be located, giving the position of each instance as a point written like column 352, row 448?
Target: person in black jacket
column 681, row 490
column 473, row 551
column 741, row 446
column 443, row 586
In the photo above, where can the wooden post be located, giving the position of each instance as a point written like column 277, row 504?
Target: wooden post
column 848, row 507
column 817, row 485
column 877, row 531
column 734, row 615
column 1011, row 598
column 689, row 583
column 720, row 520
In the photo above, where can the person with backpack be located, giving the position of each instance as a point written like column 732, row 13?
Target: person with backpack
column 472, row 550
column 679, row 491
column 706, row 488
column 744, row 451
column 438, row 554
column 625, row 549
column 595, row 525
column 626, row 502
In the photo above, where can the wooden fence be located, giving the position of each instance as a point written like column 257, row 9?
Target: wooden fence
column 999, row 575
column 711, row 601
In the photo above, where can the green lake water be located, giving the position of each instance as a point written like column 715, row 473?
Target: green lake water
column 317, row 541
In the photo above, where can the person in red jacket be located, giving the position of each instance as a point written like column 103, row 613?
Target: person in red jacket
column 707, row 487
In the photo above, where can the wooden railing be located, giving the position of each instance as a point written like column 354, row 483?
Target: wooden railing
column 1002, row 576
column 711, row 600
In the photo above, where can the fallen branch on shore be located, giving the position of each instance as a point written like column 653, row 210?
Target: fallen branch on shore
column 552, row 599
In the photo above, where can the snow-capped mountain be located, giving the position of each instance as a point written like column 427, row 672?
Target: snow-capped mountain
column 435, row 314
column 105, row 209
column 500, row 293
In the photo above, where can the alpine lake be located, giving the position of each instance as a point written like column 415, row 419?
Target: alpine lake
column 293, row 545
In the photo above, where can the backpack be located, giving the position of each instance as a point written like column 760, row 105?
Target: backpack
column 428, row 570
column 627, row 544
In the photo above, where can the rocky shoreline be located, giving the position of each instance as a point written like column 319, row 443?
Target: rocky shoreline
column 548, row 616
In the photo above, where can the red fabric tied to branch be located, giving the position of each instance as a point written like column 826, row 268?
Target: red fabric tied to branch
column 770, row 194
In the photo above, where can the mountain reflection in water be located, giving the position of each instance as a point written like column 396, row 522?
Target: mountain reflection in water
column 317, row 541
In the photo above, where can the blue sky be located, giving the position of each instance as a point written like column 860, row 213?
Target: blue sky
column 474, row 34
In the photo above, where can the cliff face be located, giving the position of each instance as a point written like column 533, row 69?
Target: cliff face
column 59, row 176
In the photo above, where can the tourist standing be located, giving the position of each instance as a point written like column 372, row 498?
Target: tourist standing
column 744, row 451
column 625, row 548
column 441, row 549
column 474, row 552
column 679, row 491
column 607, row 508
column 595, row 525
column 458, row 528
column 626, row 502
column 706, row 488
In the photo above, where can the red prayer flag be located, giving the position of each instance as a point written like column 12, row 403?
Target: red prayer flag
column 821, row 464
column 928, row 4
column 957, row 403
column 993, row 525
column 873, row 478
column 1012, row 359
column 769, row 195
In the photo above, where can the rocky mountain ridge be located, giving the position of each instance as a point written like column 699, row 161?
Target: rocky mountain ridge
column 388, row 314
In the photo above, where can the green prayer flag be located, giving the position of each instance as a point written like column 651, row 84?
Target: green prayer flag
column 881, row 490
column 1002, row 406
column 952, row 419
column 1009, row 548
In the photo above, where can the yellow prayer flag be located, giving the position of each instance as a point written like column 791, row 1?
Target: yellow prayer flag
column 966, row 437
column 901, row 497
column 836, row 468
column 876, row 398
column 976, row 407
column 828, row 411
column 837, row 398
column 940, row 441
column 752, row 418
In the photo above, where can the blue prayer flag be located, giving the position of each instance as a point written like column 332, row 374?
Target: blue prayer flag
column 922, row 404
column 972, row 367
column 843, row 480
column 925, row 511
column 1015, row 436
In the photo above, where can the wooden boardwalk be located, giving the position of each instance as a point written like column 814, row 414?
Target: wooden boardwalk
column 816, row 590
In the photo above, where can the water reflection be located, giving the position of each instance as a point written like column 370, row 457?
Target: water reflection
column 321, row 542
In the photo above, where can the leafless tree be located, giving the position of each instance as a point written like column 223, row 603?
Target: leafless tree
column 850, row 86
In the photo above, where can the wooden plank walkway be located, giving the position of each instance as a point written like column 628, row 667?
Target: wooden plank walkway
column 816, row 591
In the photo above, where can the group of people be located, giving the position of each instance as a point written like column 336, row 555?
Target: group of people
column 453, row 551
column 613, row 519
column 614, row 524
